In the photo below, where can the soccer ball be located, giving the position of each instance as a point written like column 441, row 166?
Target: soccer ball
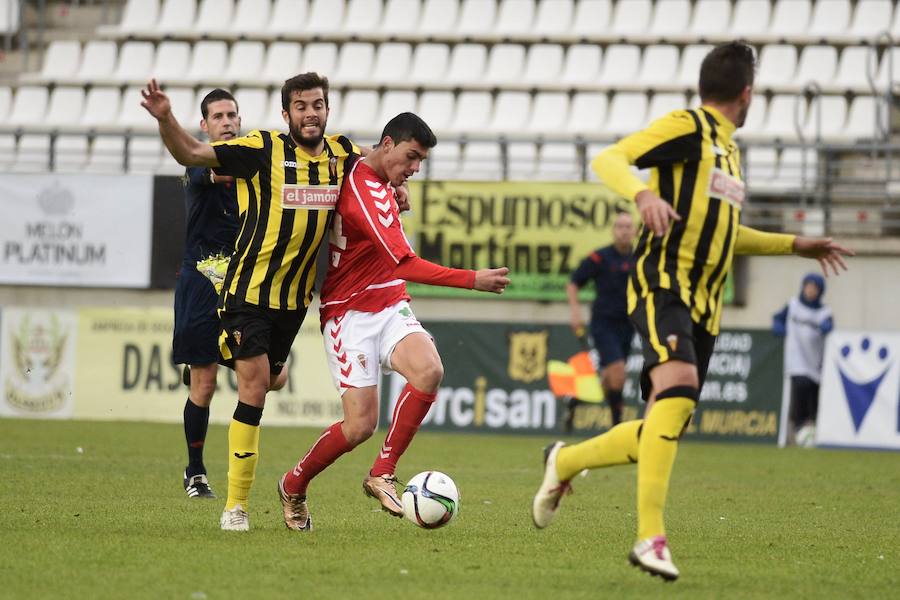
column 430, row 499
column 806, row 436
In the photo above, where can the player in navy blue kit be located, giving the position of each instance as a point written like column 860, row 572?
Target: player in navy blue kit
column 611, row 331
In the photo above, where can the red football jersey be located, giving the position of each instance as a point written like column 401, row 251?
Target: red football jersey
column 364, row 248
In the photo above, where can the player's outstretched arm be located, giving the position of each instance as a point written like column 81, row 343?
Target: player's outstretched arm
column 829, row 253
column 184, row 147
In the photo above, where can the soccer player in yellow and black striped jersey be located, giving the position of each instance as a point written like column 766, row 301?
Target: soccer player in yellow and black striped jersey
column 691, row 230
column 288, row 184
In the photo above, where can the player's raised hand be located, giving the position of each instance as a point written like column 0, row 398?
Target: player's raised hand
column 824, row 250
column 655, row 212
column 491, row 280
column 402, row 195
column 156, row 101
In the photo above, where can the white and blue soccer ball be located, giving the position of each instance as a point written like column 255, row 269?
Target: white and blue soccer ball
column 430, row 499
column 806, row 436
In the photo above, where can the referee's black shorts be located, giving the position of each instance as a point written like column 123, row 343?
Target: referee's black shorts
column 668, row 333
column 195, row 339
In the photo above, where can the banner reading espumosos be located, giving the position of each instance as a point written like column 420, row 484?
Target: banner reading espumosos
column 541, row 231
column 496, row 381
column 859, row 397
column 76, row 230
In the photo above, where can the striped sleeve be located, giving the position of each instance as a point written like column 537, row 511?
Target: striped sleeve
column 241, row 157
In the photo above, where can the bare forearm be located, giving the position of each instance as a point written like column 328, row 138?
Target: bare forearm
column 572, row 294
column 184, row 147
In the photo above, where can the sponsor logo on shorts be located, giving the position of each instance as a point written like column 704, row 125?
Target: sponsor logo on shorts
column 363, row 362
column 309, row 197
column 236, row 334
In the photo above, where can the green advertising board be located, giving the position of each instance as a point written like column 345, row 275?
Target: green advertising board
column 496, row 380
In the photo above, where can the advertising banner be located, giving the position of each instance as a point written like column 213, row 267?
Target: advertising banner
column 859, row 396
column 37, row 362
column 76, row 230
column 496, row 380
column 541, row 231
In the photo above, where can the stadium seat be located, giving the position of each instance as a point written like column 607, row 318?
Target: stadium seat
column 558, row 161
column 171, row 63
column 481, row 162
column 61, row 62
column 631, row 19
column 751, row 19
column 521, row 160
column 505, row 65
column 354, row 63
column 324, row 16
column 671, row 18
column 659, row 66
column 252, row 106
column 207, row 61
column 553, row 19
column 777, row 66
column 250, row 17
column 65, row 108
column 285, row 57
column 444, row 162
column 549, row 114
column 70, row 153
column 689, row 69
column 5, row 102
column 429, row 64
column 437, row 109
column 817, row 63
column 136, row 16
column 543, row 65
column 795, row 174
column 28, row 107
column 852, row 69
column 512, row 112
column 98, row 61
column 587, row 116
column 132, row 116
column 361, row 17
column 357, row 114
column 592, row 20
column 467, row 64
column 33, row 154
column 288, row 18
column 7, row 150
column 869, row 19
column 245, row 62
column 889, row 69
column 756, row 119
column 318, row 57
column 392, row 62
column 514, row 19
column 168, row 166
column 790, row 19
column 582, row 66
column 107, row 155
column 438, row 17
column 183, row 107
column 832, row 110
column 762, row 167
column 663, row 104
column 785, row 110
column 627, row 113
column 473, row 114
column 829, row 20
column 861, row 118
column 145, row 155
column 272, row 119
column 620, row 66
column 214, row 17
column 476, row 18
column 101, row 107
column 176, row 16
column 135, row 62
column 711, row 20
column 392, row 104
column 401, row 17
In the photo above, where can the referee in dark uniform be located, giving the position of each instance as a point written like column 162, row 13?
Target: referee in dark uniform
column 610, row 329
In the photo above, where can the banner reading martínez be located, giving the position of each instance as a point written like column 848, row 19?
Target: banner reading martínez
column 539, row 230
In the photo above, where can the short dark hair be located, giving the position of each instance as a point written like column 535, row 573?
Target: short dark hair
column 408, row 126
column 214, row 96
column 726, row 71
column 301, row 83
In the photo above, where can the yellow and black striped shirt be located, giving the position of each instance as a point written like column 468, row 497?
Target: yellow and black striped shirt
column 696, row 168
column 283, row 195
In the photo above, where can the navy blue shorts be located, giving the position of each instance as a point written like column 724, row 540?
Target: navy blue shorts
column 197, row 327
column 612, row 339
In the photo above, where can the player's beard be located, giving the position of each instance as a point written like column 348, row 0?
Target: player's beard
column 310, row 142
column 742, row 115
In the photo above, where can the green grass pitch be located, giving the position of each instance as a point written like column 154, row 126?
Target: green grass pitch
column 112, row 521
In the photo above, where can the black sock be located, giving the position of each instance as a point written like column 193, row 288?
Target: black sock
column 196, row 422
column 615, row 400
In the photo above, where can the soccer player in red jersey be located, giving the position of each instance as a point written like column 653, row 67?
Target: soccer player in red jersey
column 367, row 322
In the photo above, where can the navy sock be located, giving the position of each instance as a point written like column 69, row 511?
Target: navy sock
column 615, row 400
column 196, row 422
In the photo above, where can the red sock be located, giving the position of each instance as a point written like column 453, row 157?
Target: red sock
column 411, row 408
column 327, row 449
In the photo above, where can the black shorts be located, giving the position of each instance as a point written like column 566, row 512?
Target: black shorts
column 195, row 340
column 249, row 330
column 668, row 333
column 612, row 338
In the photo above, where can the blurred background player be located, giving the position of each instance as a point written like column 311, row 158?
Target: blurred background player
column 611, row 331
column 691, row 231
column 368, row 326
column 287, row 185
column 804, row 322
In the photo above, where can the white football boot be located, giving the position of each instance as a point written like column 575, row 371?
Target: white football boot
column 235, row 519
column 652, row 555
column 547, row 499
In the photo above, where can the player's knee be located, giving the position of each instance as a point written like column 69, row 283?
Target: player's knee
column 359, row 430
column 276, row 382
column 429, row 377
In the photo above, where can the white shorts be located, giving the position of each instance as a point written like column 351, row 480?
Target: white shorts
column 359, row 344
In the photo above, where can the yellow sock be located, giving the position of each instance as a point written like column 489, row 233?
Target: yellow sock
column 618, row 446
column 243, row 454
column 657, row 448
